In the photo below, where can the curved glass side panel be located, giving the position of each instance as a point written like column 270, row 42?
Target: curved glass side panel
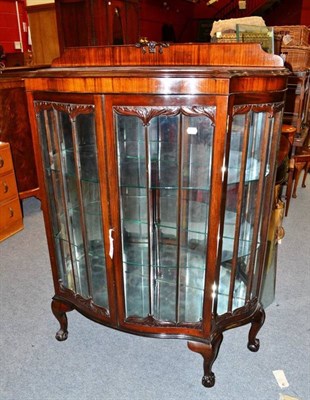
column 248, row 165
column 164, row 178
column 68, row 141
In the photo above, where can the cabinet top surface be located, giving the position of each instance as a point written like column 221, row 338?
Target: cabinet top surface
column 163, row 69
column 162, row 54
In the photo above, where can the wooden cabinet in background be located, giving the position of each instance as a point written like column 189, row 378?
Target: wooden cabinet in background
column 296, row 115
column 296, row 111
column 44, row 36
column 15, row 129
column 97, row 22
column 11, row 220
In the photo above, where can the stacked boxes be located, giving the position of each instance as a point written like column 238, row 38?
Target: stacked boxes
column 294, row 46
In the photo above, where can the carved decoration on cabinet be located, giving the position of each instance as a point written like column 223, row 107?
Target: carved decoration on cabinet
column 158, row 185
column 147, row 113
column 87, row 305
column 271, row 108
column 144, row 44
column 71, row 109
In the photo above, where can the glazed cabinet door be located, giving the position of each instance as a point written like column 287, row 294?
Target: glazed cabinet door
column 174, row 163
column 164, row 158
column 249, row 175
column 158, row 213
column 72, row 164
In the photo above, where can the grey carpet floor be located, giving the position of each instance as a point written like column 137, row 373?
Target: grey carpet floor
column 99, row 363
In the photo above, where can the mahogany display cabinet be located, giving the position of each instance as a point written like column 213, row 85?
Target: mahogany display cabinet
column 157, row 168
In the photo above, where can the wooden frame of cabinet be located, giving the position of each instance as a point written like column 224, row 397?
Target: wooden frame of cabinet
column 179, row 191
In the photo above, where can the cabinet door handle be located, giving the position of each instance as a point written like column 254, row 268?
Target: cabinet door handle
column 5, row 187
column 1, row 162
column 11, row 212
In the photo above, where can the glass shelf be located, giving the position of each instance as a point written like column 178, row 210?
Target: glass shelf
column 191, row 284
column 167, row 230
column 72, row 174
column 177, row 264
column 136, row 281
column 134, row 173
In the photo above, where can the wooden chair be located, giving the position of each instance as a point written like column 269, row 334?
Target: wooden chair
column 299, row 161
column 289, row 132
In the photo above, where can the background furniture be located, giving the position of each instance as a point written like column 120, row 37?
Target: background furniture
column 276, row 231
column 18, row 59
column 287, row 166
column 94, row 23
column 296, row 109
column 301, row 162
column 296, row 115
column 44, row 35
column 11, row 220
column 15, row 129
column 157, row 186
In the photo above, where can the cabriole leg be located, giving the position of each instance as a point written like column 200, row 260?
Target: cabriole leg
column 59, row 310
column 307, row 169
column 257, row 322
column 209, row 353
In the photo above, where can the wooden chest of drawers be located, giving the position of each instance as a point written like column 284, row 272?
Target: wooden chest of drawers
column 11, row 220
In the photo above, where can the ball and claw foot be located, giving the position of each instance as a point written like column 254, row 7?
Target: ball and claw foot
column 254, row 347
column 256, row 323
column 61, row 335
column 208, row 380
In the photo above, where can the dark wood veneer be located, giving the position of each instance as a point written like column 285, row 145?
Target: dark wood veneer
column 15, row 129
column 217, row 83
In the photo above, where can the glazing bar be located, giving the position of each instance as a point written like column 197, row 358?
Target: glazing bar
column 149, row 219
column 239, row 212
column 179, row 218
column 269, row 198
column 62, row 185
column 81, row 206
column 257, row 216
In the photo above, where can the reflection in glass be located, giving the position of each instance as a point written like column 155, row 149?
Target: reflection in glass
column 71, row 168
column 245, row 172
column 164, row 178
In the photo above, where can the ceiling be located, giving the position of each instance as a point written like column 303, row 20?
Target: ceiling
column 223, row 9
